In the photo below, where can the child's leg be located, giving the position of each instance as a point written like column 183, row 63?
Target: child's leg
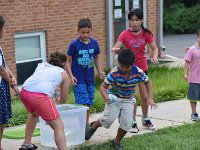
column 143, row 96
column 193, row 106
column 125, row 120
column 84, row 95
column 135, row 105
column 88, row 115
column 120, row 134
column 134, row 128
column 59, row 135
column 1, row 133
column 30, row 126
column 96, row 124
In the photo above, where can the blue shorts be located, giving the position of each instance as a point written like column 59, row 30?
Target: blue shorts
column 84, row 94
column 194, row 92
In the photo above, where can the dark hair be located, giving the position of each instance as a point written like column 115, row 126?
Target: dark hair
column 198, row 33
column 84, row 23
column 57, row 59
column 2, row 22
column 126, row 56
column 138, row 12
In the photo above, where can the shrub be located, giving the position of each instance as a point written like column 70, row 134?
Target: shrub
column 178, row 19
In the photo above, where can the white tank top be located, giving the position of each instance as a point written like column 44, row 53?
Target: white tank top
column 45, row 79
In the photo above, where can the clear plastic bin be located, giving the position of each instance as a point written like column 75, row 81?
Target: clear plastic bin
column 74, row 120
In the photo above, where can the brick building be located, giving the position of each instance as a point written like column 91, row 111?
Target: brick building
column 36, row 28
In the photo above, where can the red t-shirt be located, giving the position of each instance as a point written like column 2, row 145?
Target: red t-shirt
column 137, row 43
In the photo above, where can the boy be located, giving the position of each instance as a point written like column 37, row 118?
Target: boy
column 191, row 74
column 117, row 90
column 82, row 54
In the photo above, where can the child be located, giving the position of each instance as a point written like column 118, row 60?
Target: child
column 117, row 90
column 6, row 79
column 36, row 95
column 136, row 38
column 191, row 74
column 82, row 54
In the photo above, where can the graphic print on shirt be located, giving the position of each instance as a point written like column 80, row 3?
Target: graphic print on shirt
column 137, row 43
column 86, row 58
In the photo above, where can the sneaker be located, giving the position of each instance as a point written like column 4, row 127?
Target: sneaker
column 134, row 128
column 195, row 117
column 146, row 122
column 115, row 146
column 89, row 131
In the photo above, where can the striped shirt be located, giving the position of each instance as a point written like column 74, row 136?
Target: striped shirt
column 123, row 87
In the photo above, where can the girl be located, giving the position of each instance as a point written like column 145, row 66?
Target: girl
column 136, row 39
column 6, row 79
column 36, row 95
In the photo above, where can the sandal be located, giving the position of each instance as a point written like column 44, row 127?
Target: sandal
column 28, row 147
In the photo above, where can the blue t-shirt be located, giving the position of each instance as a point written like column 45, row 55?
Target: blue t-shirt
column 83, row 59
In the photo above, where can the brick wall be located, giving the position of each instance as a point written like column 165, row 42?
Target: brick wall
column 58, row 18
column 152, row 17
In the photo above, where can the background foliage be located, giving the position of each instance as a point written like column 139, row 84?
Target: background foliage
column 181, row 18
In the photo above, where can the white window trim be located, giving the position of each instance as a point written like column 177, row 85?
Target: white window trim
column 42, row 44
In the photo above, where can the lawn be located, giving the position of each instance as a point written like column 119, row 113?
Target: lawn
column 185, row 137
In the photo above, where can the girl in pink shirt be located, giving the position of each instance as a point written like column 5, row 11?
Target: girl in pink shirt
column 191, row 74
column 136, row 38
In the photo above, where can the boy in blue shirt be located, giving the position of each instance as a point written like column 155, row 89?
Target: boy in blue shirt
column 82, row 55
column 117, row 90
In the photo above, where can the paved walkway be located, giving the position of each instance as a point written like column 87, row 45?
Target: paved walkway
column 171, row 113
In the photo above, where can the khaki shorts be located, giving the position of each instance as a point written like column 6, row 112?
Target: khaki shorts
column 121, row 108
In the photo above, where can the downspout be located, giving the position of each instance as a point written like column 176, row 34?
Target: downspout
column 160, row 27
column 145, row 13
column 109, row 31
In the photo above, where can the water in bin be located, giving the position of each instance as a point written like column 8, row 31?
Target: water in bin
column 74, row 120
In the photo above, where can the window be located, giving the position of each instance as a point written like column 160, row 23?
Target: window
column 30, row 49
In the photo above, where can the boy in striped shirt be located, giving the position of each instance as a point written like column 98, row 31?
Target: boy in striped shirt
column 118, row 92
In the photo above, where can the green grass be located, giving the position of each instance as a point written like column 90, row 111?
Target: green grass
column 168, row 84
column 184, row 137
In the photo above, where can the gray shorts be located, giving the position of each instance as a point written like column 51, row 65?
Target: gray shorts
column 194, row 92
column 121, row 108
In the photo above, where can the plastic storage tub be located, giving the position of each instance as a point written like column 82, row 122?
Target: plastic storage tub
column 74, row 120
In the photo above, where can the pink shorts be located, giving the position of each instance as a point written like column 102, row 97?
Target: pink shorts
column 40, row 103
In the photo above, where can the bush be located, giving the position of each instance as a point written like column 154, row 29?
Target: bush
column 180, row 20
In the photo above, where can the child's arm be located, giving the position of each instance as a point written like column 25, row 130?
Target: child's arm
column 64, row 88
column 13, row 80
column 69, row 70
column 155, row 53
column 116, row 48
column 103, row 90
column 13, row 83
column 5, row 74
column 186, row 70
column 97, row 64
column 150, row 94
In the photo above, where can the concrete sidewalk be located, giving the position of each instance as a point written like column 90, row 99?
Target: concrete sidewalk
column 171, row 113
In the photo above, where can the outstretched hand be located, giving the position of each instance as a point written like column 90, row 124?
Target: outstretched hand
column 152, row 104
column 115, row 50
column 102, row 75
column 74, row 80
column 154, row 61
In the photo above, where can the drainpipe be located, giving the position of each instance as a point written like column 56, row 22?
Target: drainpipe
column 160, row 27
column 109, row 31
column 145, row 13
